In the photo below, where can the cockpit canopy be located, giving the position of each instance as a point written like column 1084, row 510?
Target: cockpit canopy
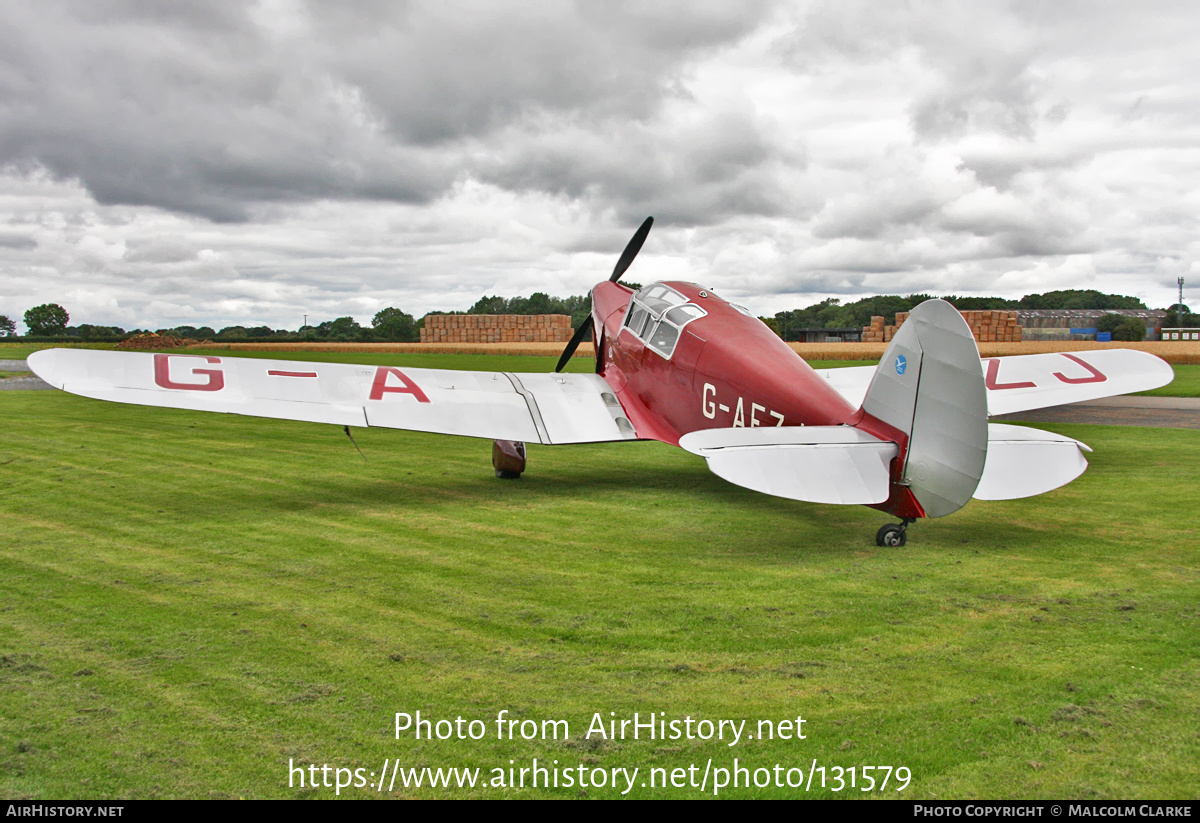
column 656, row 316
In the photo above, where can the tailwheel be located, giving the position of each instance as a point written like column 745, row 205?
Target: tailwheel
column 893, row 534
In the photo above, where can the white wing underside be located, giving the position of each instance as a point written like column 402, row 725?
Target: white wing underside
column 1014, row 451
column 817, row 464
column 1035, row 381
column 535, row 408
column 841, row 464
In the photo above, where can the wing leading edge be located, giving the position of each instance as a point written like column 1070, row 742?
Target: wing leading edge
column 536, row 408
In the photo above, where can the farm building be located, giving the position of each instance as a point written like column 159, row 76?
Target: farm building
column 853, row 335
column 1079, row 324
column 1027, row 324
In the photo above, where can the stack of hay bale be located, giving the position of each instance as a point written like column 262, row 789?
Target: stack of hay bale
column 987, row 326
column 877, row 332
column 496, row 328
column 994, row 326
column 150, row 340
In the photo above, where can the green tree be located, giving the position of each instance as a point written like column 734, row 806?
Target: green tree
column 980, row 303
column 539, row 303
column 193, row 332
column 47, row 320
column 1177, row 319
column 1080, row 299
column 578, row 306
column 823, row 315
column 87, row 331
column 1132, row 329
column 393, row 324
column 484, row 305
column 7, row 327
column 345, row 328
column 1110, row 323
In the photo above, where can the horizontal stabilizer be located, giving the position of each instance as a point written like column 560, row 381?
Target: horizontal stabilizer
column 817, row 464
column 1023, row 462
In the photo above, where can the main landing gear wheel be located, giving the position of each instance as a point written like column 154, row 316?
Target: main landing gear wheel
column 893, row 534
column 508, row 459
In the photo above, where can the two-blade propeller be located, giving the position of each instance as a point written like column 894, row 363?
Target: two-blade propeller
column 585, row 328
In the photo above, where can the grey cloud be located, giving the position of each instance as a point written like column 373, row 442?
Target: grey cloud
column 979, row 57
column 1005, row 105
column 599, row 241
column 20, row 242
column 160, row 250
column 694, row 173
column 172, row 286
column 441, row 71
column 846, row 30
column 420, row 154
column 822, row 283
column 999, row 166
column 1057, row 114
column 1042, row 243
column 213, row 109
column 874, row 215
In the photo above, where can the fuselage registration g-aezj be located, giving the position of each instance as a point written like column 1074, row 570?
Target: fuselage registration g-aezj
column 678, row 364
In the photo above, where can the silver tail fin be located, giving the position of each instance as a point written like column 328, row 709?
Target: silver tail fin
column 930, row 386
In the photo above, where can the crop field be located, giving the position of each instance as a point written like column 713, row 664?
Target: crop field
column 206, row 605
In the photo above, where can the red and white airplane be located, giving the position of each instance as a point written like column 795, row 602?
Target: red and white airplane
column 676, row 363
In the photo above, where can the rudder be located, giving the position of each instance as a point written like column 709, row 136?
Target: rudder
column 930, row 386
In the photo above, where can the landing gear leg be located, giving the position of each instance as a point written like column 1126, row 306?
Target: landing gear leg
column 508, row 458
column 893, row 534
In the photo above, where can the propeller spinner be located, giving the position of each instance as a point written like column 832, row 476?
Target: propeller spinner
column 585, row 328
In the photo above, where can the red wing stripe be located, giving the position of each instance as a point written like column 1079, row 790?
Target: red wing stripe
column 278, row 373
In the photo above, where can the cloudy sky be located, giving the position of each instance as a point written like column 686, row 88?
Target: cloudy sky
column 167, row 163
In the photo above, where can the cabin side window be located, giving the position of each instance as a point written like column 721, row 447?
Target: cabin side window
column 665, row 336
column 636, row 319
column 657, row 315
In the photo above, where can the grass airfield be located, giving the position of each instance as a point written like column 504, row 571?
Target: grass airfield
column 191, row 601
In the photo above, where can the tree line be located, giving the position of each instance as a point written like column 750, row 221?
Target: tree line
column 389, row 325
column 50, row 321
column 833, row 314
column 394, row 325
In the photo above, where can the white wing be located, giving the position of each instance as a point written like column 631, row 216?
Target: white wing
column 537, row 408
column 1034, row 381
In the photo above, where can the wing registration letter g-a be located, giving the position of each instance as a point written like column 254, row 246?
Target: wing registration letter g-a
column 537, row 408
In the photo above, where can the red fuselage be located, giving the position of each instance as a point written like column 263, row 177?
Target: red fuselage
column 723, row 368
